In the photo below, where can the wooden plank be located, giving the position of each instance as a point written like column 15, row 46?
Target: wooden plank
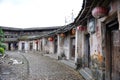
column 116, row 55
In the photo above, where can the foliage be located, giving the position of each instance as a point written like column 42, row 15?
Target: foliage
column 2, row 51
column 3, row 46
column 1, row 34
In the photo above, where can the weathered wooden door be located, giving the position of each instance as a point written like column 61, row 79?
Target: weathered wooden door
column 87, row 51
column 23, row 46
column 31, row 46
column 56, row 46
column 115, row 46
column 73, row 48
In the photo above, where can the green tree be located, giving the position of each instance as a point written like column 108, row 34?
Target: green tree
column 2, row 46
column 1, row 35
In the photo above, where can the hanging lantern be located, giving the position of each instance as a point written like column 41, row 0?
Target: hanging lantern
column 36, row 42
column 62, row 35
column 73, row 31
column 98, row 12
column 82, row 28
column 50, row 39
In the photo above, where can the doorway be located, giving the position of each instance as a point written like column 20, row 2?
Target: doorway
column 112, row 51
column 31, row 46
column 15, row 46
column 23, row 46
column 56, row 46
column 87, row 51
column 37, row 46
column 73, row 48
column 9, row 46
column 41, row 48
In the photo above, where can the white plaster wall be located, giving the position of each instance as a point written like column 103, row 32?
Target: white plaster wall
column 12, row 48
column 26, row 46
column 76, row 46
column 20, row 45
column 93, row 44
column 96, row 40
column 46, row 45
column 51, row 46
column 34, row 45
column 59, row 49
column 39, row 45
column 67, row 46
column 79, row 44
column 43, row 43
column 82, row 35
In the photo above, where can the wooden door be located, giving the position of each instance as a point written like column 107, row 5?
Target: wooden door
column 73, row 48
column 31, row 46
column 23, row 46
column 87, row 51
column 9, row 46
column 56, row 45
column 115, row 46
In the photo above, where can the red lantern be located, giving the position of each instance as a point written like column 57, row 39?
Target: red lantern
column 62, row 35
column 36, row 42
column 82, row 28
column 50, row 39
column 73, row 31
column 98, row 12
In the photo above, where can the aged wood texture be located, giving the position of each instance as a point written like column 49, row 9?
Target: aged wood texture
column 115, row 55
column 107, row 60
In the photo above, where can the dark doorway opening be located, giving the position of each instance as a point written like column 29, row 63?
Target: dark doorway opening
column 73, row 48
column 36, row 46
column 41, row 46
column 31, row 46
column 9, row 46
column 87, row 51
column 56, row 46
column 15, row 45
column 23, row 46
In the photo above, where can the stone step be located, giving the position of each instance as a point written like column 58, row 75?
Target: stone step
column 69, row 63
column 86, row 73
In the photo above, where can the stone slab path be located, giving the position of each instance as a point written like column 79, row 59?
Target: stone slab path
column 46, row 68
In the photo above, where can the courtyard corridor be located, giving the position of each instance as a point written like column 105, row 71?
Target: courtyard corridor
column 39, row 67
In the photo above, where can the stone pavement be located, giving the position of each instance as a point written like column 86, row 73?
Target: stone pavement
column 13, row 67
column 67, row 62
column 35, row 66
column 46, row 68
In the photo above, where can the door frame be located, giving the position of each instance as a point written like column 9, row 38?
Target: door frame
column 108, row 51
column 72, row 48
column 87, row 51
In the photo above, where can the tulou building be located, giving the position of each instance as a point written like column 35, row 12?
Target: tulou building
column 24, row 39
column 91, row 42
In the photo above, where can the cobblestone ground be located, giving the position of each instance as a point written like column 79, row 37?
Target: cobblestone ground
column 11, row 71
column 45, row 68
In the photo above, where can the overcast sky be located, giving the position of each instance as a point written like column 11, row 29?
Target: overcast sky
column 37, row 13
